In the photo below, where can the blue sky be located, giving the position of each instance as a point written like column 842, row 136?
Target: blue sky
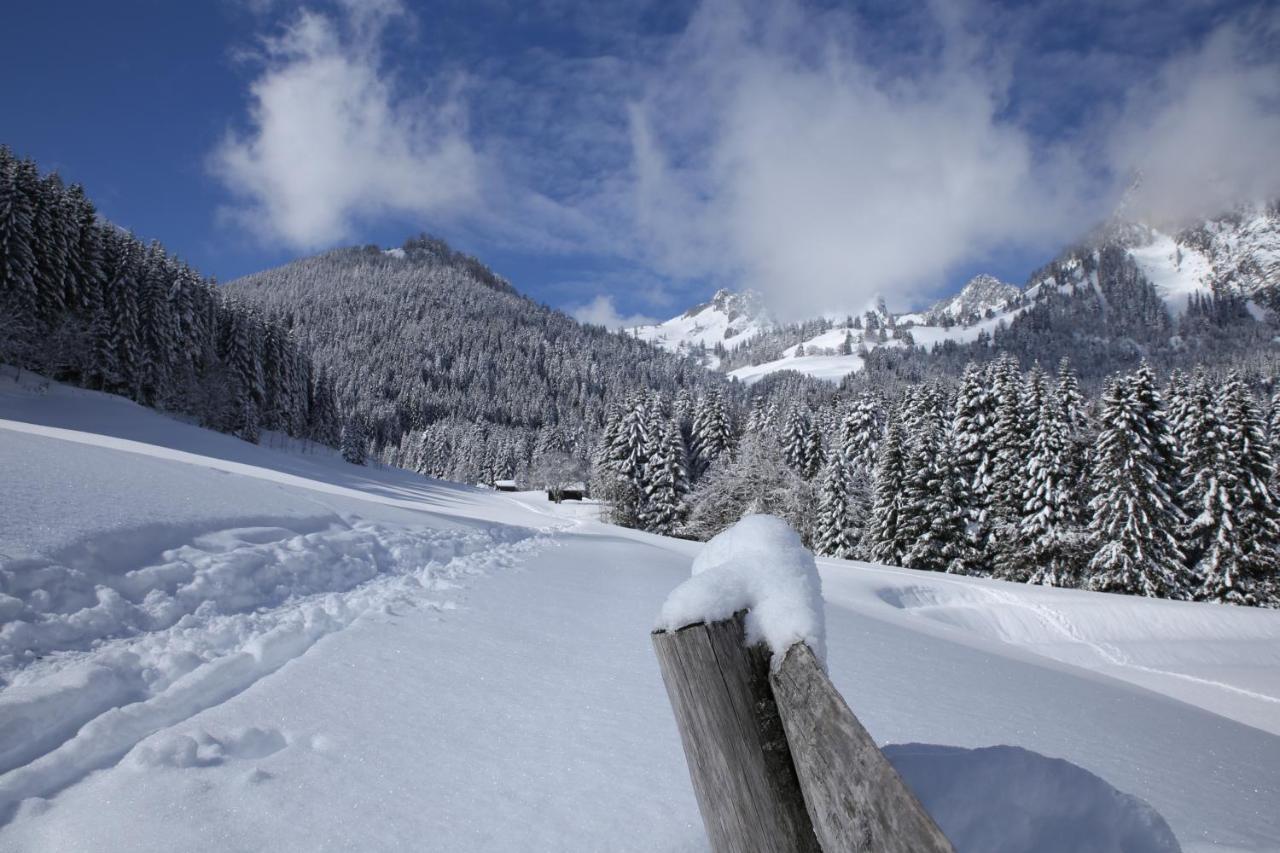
column 623, row 160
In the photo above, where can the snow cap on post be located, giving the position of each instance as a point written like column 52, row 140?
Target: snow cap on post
column 757, row 565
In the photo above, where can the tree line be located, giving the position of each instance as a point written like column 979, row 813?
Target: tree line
column 85, row 302
column 1168, row 492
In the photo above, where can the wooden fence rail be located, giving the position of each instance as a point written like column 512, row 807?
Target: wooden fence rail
column 778, row 761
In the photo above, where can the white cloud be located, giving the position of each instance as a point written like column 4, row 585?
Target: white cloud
column 330, row 143
column 810, row 174
column 1205, row 133
column 602, row 311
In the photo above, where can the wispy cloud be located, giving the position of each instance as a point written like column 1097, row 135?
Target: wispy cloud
column 1204, row 133
column 603, row 312
column 331, row 142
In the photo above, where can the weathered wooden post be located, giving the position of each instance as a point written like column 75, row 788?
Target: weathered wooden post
column 733, row 739
column 778, row 761
column 854, row 797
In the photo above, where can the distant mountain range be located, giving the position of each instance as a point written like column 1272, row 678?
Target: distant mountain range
column 1230, row 263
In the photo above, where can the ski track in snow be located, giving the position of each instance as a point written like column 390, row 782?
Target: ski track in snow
column 168, row 640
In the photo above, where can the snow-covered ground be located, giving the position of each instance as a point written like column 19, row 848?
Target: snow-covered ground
column 242, row 648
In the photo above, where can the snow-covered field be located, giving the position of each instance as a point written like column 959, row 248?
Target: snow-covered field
column 206, row 645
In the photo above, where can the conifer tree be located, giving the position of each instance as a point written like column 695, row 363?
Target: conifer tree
column 884, row 538
column 1237, row 528
column 18, row 272
column 1135, row 518
column 355, row 447
column 712, row 433
column 1003, row 508
column 795, row 440
column 835, row 534
column 860, row 432
column 1051, row 546
column 922, row 438
column 973, row 428
column 942, row 544
column 667, row 482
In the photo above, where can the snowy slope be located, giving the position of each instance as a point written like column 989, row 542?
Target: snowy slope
column 1178, row 272
column 823, row 361
column 729, row 319
column 733, row 319
column 379, row 661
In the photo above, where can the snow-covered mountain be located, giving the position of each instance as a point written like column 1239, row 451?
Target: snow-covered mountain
column 728, row 320
column 981, row 297
column 735, row 331
column 1237, row 253
column 1155, row 275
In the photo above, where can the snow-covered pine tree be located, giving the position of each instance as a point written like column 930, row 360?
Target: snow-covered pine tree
column 712, row 432
column 120, row 265
column 52, row 248
column 884, row 539
column 757, row 419
column 1135, row 517
column 795, row 440
column 861, row 429
column 1237, row 527
column 1273, row 425
column 1051, row 544
column 18, row 297
column 973, row 441
column 1077, row 432
column 355, row 443
column 1010, row 432
column 921, row 421
column 942, row 544
column 1204, row 460
column 667, row 482
column 1177, row 400
column 634, row 443
column 835, row 534
column 814, row 455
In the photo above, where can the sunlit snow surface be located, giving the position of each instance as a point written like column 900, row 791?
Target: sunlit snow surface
column 387, row 662
column 758, row 565
column 1177, row 272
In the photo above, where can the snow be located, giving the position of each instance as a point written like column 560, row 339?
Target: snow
column 710, row 324
column 757, row 565
column 831, row 368
column 502, row 693
column 1177, row 271
column 1004, row 799
column 396, row 253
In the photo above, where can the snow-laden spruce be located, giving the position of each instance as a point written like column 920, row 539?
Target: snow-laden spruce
column 757, row 565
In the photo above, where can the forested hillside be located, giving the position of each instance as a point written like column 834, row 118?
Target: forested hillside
column 449, row 369
column 85, row 302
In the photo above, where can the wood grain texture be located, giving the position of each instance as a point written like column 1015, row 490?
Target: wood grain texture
column 734, row 740
column 855, row 799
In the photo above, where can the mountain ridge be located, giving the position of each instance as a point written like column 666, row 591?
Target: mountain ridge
column 1228, row 260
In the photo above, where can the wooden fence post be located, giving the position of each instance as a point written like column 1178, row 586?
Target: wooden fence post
column 733, row 739
column 856, row 800
column 778, row 761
